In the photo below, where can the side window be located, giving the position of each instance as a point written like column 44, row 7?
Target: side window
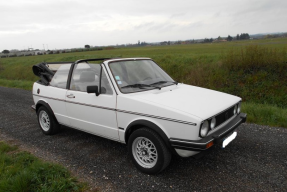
column 85, row 74
column 60, row 78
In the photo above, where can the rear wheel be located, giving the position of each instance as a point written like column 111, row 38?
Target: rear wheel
column 148, row 151
column 47, row 121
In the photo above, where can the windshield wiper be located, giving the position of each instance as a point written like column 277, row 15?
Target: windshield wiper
column 161, row 82
column 138, row 85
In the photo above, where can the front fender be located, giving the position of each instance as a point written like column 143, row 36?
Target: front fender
column 145, row 123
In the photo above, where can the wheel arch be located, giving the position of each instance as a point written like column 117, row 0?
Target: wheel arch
column 137, row 124
column 47, row 106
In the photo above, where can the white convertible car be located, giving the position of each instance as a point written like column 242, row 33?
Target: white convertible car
column 133, row 101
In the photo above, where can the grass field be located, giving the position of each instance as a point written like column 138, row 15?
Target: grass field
column 255, row 70
column 20, row 171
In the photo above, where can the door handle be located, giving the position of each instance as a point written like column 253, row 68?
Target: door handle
column 71, row 96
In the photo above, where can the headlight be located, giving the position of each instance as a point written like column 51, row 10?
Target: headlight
column 235, row 109
column 213, row 123
column 239, row 108
column 204, row 129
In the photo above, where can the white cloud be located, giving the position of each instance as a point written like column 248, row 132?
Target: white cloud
column 74, row 23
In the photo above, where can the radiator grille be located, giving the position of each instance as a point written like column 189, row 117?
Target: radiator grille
column 225, row 115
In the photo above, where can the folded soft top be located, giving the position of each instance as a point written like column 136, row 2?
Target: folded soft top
column 41, row 70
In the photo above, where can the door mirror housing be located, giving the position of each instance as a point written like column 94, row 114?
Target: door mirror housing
column 93, row 89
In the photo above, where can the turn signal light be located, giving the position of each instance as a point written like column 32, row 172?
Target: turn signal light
column 209, row 144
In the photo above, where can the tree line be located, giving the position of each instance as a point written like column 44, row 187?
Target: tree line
column 242, row 36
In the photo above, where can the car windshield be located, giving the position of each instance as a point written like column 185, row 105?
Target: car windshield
column 139, row 75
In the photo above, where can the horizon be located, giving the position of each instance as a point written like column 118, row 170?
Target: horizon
column 127, row 45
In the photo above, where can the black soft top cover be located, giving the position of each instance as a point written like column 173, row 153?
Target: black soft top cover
column 41, row 70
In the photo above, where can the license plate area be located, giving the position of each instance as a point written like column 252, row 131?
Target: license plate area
column 228, row 139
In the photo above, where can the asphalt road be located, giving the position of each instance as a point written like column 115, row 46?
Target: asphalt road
column 255, row 161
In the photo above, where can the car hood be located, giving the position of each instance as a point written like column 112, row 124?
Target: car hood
column 200, row 102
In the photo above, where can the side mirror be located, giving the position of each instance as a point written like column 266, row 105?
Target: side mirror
column 93, row 89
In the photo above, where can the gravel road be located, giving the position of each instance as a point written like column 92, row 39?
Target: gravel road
column 255, row 161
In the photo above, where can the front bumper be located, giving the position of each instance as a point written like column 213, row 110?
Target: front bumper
column 214, row 138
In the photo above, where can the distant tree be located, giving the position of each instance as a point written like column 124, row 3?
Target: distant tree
column 6, row 51
column 244, row 36
column 229, row 38
column 164, row 43
column 206, row 40
column 237, row 37
column 247, row 36
column 87, row 46
column 272, row 36
column 219, row 38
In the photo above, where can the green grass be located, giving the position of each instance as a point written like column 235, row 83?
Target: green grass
column 22, row 84
column 255, row 70
column 20, row 171
column 264, row 114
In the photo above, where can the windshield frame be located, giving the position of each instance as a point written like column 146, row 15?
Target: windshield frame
column 135, row 59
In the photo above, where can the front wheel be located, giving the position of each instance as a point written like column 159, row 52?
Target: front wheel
column 148, row 151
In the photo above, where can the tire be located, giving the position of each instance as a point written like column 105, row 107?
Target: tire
column 148, row 151
column 47, row 121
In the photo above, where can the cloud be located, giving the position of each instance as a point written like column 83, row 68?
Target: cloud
column 177, row 15
column 64, row 23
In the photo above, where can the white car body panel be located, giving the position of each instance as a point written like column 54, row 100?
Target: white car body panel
column 93, row 114
column 137, row 108
column 171, row 129
column 196, row 101
column 165, row 103
column 55, row 97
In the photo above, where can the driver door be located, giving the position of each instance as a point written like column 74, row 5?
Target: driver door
column 88, row 112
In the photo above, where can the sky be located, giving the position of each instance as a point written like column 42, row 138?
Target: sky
column 58, row 24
